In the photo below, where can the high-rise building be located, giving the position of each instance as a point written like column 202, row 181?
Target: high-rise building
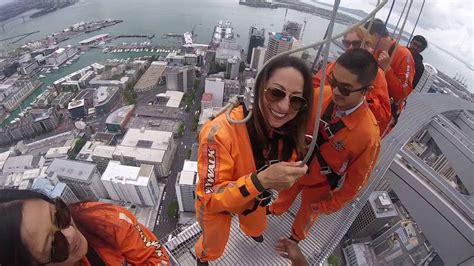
column 133, row 184
column 378, row 211
column 81, row 177
column 359, row 254
column 232, row 67
column 278, row 43
column 216, row 87
column 293, row 29
column 186, row 186
column 427, row 79
column 180, row 78
column 256, row 39
column 258, row 58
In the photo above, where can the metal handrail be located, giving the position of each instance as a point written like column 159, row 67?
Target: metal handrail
column 416, row 23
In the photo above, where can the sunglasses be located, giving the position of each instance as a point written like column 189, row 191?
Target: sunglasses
column 347, row 44
column 342, row 88
column 60, row 245
column 297, row 103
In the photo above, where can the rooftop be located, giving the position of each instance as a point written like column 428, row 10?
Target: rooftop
column 151, row 139
column 17, row 163
column 207, row 97
column 152, row 75
column 119, row 115
column 117, row 173
column 103, row 151
column 140, row 154
column 70, row 169
column 174, row 98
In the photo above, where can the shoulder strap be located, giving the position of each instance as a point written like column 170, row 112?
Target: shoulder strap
column 326, row 132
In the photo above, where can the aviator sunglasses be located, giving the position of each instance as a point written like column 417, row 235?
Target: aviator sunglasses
column 297, row 103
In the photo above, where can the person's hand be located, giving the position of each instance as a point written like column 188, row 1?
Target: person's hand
column 289, row 249
column 384, row 60
column 281, row 175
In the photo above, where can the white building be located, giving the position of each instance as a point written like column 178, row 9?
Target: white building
column 81, row 177
column 171, row 98
column 61, row 55
column 215, row 86
column 232, row 67
column 186, row 186
column 140, row 146
column 133, row 184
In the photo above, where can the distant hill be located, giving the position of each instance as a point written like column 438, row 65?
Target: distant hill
column 357, row 12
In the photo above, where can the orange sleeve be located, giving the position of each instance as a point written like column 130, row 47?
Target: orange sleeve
column 220, row 190
column 400, row 76
column 356, row 177
column 379, row 101
column 137, row 243
column 317, row 76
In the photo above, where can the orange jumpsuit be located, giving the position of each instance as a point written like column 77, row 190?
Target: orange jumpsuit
column 226, row 185
column 137, row 244
column 377, row 98
column 351, row 153
column 400, row 74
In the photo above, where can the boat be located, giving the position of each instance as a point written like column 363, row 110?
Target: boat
column 42, row 76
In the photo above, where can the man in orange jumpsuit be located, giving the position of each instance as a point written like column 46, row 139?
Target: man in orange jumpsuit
column 348, row 145
column 399, row 70
column 377, row 97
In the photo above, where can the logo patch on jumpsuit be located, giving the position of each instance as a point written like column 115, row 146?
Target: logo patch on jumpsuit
column 338, row 145
column 211, row 175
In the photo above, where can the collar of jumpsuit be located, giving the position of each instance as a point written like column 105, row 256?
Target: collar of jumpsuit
column 340, row 113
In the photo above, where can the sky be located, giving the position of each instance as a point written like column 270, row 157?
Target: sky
column 447, row 23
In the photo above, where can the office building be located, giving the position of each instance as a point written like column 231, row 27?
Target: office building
column 186, row 186
column 231, row 88
column 105, row 98
column 359, row 254
column 180, row 78
column 117, row 120
column 258, row 58
column 51, row 186
column 293, row 29
column 256, row 39
column 427, row 78
column 44, row 120
column 278, row 42
column 377, row 212
column 170, row 99
column 215, row 86
column 81, row 177
column 132, row 184
column 77, row 109
column 142, row 146
column 227, row 48
column 232, row 67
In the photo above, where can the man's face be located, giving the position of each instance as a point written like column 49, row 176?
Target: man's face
column 416, row 46
column 347, row 91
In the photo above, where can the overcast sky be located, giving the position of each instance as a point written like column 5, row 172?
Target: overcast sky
column 446, row 23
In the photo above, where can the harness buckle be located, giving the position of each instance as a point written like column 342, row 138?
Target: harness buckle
column 325, row 170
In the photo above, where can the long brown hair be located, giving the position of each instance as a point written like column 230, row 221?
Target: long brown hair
column 293, row 131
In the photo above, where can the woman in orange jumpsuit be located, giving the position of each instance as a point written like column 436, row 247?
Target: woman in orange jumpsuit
column 237, row 163
column 37, row 230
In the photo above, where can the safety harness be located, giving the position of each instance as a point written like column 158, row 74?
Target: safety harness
column 394, row 106
column 326, row 132
column 261, row 163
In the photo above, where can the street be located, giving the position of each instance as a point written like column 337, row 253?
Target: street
column 165, row 224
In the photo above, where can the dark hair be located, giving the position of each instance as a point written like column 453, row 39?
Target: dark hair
column 361, row 63
column 378, row 26
column 293, row 131
column 12, row 249
column 98, row 232
column 421, row 40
